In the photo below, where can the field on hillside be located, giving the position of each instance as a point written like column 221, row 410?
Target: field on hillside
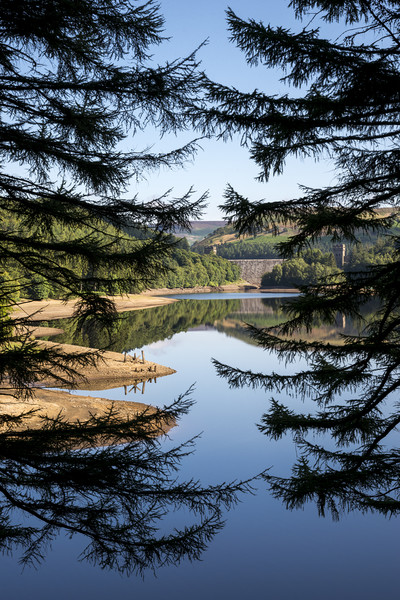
column 200, row 230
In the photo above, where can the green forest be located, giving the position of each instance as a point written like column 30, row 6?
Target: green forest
column 179, row 268
column 314, row 265
column 370, row 248
column 188, row 269
column 308, row 268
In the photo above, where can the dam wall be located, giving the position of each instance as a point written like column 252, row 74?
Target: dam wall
column 252, row 270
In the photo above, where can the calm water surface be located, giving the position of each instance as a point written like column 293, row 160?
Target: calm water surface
column 264, row 550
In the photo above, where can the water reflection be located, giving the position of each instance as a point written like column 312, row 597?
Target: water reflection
column 361, row 477
column 110, row 480
column 347, row 444
column 140, row 328
column 143, row 327
column 261, row 541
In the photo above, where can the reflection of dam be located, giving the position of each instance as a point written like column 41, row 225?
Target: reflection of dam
column 255, row 305
column 340, row 321
column 262, row 306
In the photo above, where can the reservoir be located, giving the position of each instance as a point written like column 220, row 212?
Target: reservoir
column 263, row 550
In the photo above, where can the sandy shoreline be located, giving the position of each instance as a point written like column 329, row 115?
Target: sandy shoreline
column 51, row 403
column 111, row 371
column 49, row 310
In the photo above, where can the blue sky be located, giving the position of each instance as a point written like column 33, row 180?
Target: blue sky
column 189, row 24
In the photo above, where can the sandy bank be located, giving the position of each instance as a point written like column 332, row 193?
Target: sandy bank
column 51, row 403
column 47, row 310
column 112, row 369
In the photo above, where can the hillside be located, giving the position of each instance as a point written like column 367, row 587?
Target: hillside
column 199, row 230
column 230, row 245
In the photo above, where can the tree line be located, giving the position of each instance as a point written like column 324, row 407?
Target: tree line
column 313, row 265
column 342, row 60
column 180, row 268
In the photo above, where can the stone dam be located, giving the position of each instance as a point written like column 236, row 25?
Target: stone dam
column 252, row 270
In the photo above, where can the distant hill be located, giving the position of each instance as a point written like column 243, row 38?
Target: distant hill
column 199, row 230
column 230, row 245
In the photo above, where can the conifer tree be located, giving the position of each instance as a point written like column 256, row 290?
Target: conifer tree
column 110, row 481
column 345, row 107
column 77, row 84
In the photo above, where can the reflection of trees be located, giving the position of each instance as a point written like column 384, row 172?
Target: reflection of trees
column 346, row 456
column 263, row 313
column 142, row 327
column 111, row 481
column 346, row 445
column 271, row 312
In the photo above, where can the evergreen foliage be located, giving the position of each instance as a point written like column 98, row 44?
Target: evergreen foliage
column 180, row 268
column 188, row 269
column 110, row 480
column 362, row 256
column 76, row 83
column 346, row 108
